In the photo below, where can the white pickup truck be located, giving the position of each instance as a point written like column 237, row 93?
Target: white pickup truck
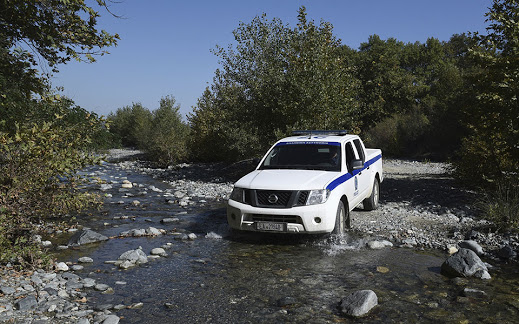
column 307, row 183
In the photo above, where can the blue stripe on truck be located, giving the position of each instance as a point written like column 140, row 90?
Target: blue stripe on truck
column 345, row 177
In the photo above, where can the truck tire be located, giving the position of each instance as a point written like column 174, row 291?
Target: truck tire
column 342, row 219
column 371, row 203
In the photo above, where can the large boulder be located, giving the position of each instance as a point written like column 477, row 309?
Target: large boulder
column 465, row 263
column 471, row 245
column 86, row 236
column 359, row 303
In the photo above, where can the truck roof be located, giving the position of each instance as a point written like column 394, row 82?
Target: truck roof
column 319, row 136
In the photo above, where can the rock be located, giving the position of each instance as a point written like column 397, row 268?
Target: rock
column 192, row 236
column 126, row 184
column 85, row 260
column 464, row 263
column 134, row 257
column 7, row 290
column 26, row 303
column 474, row 293
column 471, row 245
column 61, row 266
column 111, row 319
column 153, row 231
column 376, row 245
column 77, row 267
column 105, row 187
column 507, row 252
column 473, row 235
column 170, row 220
column 46, row 244
column 359, row 303
column 136, row 306
column 452, row 249
column 410, row 242
column 101, row 287
column 86, row 236
column 159, row 251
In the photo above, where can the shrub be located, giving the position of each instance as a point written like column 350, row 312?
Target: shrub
column 501, row 205
column 38, row 180
column 166, row 142
column 400, row 135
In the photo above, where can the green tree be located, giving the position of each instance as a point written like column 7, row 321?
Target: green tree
column 44, row 139
column 132, row 125
column 490, row 152
column 273, row 80
column 168, row 136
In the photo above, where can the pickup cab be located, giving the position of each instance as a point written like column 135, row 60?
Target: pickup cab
column 307, row 183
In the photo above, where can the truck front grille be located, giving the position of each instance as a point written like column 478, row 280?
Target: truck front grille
column 276, row 198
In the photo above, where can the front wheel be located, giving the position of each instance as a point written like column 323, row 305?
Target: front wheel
column 342, row 219
column 371, row 203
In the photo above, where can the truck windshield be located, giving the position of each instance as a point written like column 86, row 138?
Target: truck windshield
column 304, row 156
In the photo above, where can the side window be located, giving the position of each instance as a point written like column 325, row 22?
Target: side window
column 360, row 150
column 350, row 156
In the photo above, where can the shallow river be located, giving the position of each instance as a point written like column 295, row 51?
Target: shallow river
column 223, row 278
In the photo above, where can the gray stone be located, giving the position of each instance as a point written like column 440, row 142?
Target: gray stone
column 471, row 245
column 135, row 256
column 89, row 282
column 26, row 303
column 101, row 287
column 464, row 263
column 83, row 321
column 85, row 260
column 159, row 251
column 153, row 231
column 61, row 266
column 86, row 236
column 111, row 319
column 170, row 220
column 7, row 290
column 359, row 303
column 474, row 293
column 507, row 252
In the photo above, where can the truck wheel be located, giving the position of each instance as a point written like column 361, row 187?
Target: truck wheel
column 371, row 203
column 342, row 220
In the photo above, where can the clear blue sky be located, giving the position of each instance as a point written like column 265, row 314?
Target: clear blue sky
column 165, row 44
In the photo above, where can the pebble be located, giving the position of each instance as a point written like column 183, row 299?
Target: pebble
column 50, row 297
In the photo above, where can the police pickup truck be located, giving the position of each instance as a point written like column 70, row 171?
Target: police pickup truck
column 307, row 183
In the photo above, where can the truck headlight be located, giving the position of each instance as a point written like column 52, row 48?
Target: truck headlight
column 238, row 194
column 318, row 196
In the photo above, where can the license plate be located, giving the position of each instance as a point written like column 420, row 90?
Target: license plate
column 267, row 226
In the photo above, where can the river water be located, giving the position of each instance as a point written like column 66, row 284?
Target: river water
column 222, row 277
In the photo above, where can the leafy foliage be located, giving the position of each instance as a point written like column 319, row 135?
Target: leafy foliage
column 490, row 153
column 275, row 79
column 38, row 172
column 161, row 134
column 44, row 139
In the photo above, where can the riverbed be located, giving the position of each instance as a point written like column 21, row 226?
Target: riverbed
column 224, row 277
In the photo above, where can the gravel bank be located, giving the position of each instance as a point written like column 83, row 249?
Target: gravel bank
column 420, row 204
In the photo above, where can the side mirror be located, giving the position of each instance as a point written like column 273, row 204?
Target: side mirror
column 357, row 164
column 255, row 162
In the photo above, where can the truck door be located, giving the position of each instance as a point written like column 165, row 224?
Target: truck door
column 354, row 184
column 363, row 180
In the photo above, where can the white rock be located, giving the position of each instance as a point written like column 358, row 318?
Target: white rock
column 61, row 266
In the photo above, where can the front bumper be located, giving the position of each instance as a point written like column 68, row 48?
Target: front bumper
column 300, row 219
